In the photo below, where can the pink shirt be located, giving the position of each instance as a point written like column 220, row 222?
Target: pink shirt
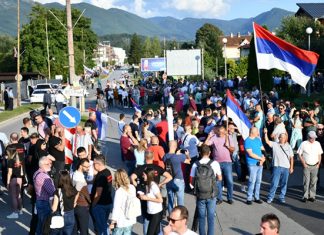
column 220, row 152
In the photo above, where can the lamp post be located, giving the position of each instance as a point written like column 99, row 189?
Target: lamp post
column 309, row 31
column 225, row 41
column 18, row 54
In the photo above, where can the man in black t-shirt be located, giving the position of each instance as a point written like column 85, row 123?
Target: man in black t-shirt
column 101, row 195
column 91, row 122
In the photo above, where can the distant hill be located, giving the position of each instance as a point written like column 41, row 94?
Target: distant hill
column 116, row 21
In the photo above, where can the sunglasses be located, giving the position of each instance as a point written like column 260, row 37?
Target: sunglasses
column 320, row 129
column 173, row 220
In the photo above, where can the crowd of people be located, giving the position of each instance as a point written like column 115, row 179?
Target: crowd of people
column 160, row 166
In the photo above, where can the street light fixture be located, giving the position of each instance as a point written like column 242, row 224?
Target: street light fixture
column 309, row 31
column 225, row 56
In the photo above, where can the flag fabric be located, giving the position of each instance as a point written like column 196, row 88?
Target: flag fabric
column 104, row 71
column 88, row 70
column 235, row 112
column 273, row 52
column 68, row 136
column 136, row 106
column 102, row 124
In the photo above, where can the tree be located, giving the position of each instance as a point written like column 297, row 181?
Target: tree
column 7, row 61
column 156, row 47
column 147, row 48
column 135, row 52
column 238, row 68
column 33, row 41
column 207, row 37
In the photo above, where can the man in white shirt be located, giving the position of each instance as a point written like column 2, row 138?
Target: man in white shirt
column 310, row 152
column 178, row 222
column 121, row 124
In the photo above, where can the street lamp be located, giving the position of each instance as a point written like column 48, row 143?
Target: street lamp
column 225, row 41
column 309, row 31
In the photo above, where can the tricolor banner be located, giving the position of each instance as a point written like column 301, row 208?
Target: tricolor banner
column 275, row 53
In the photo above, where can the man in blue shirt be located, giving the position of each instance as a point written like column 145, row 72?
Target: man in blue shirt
column 255, row 159
column 177, row 185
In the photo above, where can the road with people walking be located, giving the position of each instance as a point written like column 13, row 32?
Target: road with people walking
column 238, row 218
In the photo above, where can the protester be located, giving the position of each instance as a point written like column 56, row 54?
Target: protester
column 270, row 225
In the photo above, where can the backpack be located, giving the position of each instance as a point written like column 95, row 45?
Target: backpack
column 169, row 167
column 205, row 181
column 132, row 207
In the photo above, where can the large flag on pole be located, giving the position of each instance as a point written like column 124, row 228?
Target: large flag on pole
column 275, row 53
column 235, row 112
column 102, row 123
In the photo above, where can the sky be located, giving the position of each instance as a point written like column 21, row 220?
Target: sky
column 218, row 9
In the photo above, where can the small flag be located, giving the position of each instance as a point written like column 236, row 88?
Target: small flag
column 104, row 71
column 275, row 53
column 136, row 106
column 235, row 112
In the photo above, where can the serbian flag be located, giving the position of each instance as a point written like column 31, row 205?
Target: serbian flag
column 136, row 106
column 275, row 53
column 102, row 124
column 235, row 112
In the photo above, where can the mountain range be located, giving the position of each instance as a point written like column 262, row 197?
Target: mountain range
column 116, row 21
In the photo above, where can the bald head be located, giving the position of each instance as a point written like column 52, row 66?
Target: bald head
column 155, row 140
column 173, row 145
column 254, row 132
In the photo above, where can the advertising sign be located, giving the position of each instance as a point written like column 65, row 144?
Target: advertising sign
column 152, row 64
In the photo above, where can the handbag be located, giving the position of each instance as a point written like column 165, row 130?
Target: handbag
column 57, row 220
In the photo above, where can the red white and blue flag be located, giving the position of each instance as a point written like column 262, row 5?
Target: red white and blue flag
column 102, row 124
column 239, row 118
column 136, row 106
column 275, row 53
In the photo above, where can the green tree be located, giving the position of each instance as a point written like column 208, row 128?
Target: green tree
column 156, row 47
column 207, row 37
column 33, row 41
column 147, row 48
column 238, row 68
column 7, row 61
column 135, row 52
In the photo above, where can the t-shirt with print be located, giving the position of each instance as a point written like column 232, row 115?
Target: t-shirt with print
column 103, row 180
column 176, row 160
column 16, row 162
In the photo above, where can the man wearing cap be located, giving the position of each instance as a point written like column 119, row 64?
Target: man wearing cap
column 310, row 152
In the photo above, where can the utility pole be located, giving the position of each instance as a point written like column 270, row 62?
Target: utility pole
column 18, row 54
column 71, row 48
column 48, row 57
column 84, row 57
column 202, row 64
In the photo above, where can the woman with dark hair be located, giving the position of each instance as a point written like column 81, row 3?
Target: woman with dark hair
column 154, row 202
column 64, row 201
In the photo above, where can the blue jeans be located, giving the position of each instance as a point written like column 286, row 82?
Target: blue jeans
column 43, row 211
column 69, row 222
column 226, row 168
column 237, row 165
column 210, row 206
column 255, row 178
column 175, row 187
column 279, row 177
column 101, row 214
column 122, row 231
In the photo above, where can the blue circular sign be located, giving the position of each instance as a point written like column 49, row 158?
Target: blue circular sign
column 69, row 117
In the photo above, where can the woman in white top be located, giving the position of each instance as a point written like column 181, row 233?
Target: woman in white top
column 154, row 202
column 120, row 225
column 296, row 134
column 139, row 152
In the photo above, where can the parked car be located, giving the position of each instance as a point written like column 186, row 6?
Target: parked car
column 38, row 96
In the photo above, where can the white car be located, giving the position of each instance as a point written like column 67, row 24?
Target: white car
column 38, row 96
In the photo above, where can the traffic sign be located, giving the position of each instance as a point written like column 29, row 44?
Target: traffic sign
column 69, row 117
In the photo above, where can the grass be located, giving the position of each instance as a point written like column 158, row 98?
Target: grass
column 6, row 115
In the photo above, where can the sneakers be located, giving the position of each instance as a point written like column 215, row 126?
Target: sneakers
column 283, row 201
column 243, row 188
column 13, row 215
column 269, row 201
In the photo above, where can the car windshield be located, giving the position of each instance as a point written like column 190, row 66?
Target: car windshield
column 39, row 92
column 43, row 87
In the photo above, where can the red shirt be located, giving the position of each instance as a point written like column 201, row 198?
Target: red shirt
column 162, row 129
column 125, row 143
column 158, row 153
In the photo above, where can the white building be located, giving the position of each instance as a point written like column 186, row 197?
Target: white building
column 106, row 55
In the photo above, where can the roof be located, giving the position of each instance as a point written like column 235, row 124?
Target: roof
column 10, row 76
column 314, row 10
column 235, row 41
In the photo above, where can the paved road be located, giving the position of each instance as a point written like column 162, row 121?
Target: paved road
column 239, row 218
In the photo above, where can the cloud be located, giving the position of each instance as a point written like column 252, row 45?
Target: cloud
column 106, row 4
column 201, row 8
column 139, row 9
